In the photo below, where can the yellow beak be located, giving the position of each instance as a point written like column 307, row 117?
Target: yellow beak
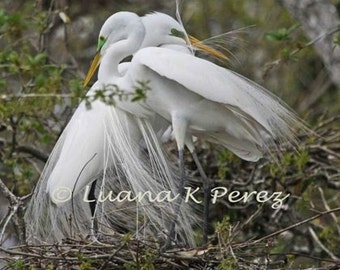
column 93, row 68
column 209, row 50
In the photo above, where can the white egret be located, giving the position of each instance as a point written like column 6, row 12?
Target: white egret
column 104, row 142
column 199, row 98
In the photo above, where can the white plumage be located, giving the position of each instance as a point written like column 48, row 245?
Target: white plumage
column 194, row 96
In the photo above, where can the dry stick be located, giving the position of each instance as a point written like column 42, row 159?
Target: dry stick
column 13, row 200
column 113, row 255
column 322, row 246
column 6, row 222
column 16, row 204
column 328, row 208
column 287, row 228
column 60, row 258
column 33, row 151
column 32, row 95
column 327, row 122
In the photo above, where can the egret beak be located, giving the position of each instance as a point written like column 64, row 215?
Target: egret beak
column 209, row 50
column 93, row 68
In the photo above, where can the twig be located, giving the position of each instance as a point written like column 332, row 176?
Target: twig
column 242, row 245
column 32, row 151
column 112, row 256
column 14, row 207
column 58, row 258
column 16, row 212
column 327, row 122
column 325, row 149
column 309, row 256
column 297, row 50
column 322, row 246
column 6, row 97
column 328, row 208
column 13, row 200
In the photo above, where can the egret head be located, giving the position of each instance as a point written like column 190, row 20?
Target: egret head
column 120, row 26
column 162, row 29
column 159, row 28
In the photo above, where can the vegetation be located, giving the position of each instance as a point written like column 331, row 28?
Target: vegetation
column 46, row 46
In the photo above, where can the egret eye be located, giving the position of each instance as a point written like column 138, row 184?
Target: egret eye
column 101, row 42
column 177, row 33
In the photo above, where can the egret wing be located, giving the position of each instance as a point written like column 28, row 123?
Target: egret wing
column 225, row 87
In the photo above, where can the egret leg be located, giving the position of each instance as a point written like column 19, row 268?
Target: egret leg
column 207, row 194
column 92, row 197
column 171, row 234
column 179, row 124
column 206, row 186
column 93, row 204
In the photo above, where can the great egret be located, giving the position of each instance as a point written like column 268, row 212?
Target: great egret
column 198, row 98
column 104, row 143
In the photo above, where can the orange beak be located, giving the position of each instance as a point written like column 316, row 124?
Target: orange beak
column 93, row 68
column 209, row 50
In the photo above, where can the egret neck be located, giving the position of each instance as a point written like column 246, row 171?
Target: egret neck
column 114, row 54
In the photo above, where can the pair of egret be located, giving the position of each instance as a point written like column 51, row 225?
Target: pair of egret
column 194, row 96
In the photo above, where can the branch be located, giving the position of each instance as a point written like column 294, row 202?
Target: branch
column 324, row 201
column 32, row 151
column 32, row 95
column 16, row 213
column 322, row 246
column 13, row 200
column 276, row 233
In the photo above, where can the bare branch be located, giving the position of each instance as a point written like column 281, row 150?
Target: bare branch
column 16, row 214
column 276, row 233
column 322, row 246
column 32, row 151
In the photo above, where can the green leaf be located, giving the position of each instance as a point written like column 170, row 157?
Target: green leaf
column 281, row 34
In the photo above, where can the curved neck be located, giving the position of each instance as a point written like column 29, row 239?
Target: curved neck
column 108, row 69
column 114, row 54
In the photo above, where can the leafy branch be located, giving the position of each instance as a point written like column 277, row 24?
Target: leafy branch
column 112, row 93
column 284, row 35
